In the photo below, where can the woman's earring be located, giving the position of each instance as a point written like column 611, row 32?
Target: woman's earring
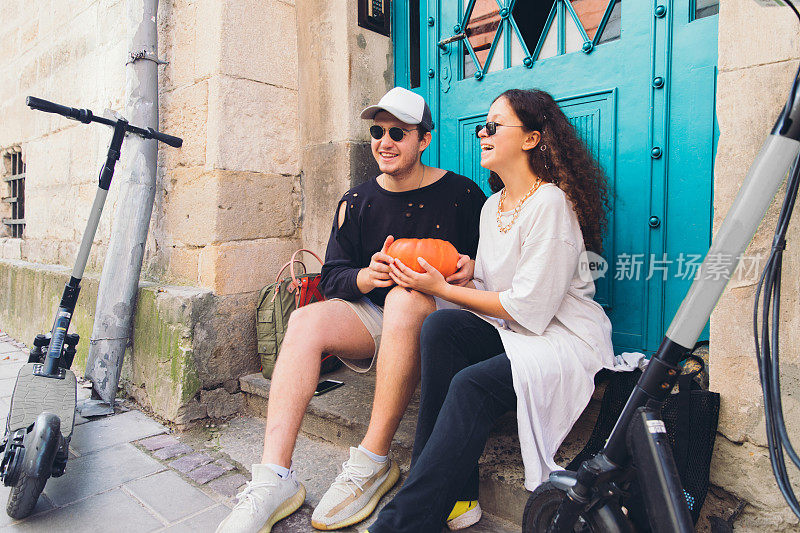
column 543, row 147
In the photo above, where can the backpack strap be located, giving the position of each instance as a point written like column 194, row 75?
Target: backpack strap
column 293, row 260
column 289, row 263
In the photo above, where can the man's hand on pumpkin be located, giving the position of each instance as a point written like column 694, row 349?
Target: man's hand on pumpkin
column 377, row 273
column 465, row 269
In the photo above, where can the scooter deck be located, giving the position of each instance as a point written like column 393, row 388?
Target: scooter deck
column 34, row 395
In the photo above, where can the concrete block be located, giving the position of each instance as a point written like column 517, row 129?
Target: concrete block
column 113, row 430
column 159, row 441
column 243, row 441
column 247, row 51
column 190, row 411
column 746, row 35
column 744, row 470
column 237, row 109
column 183, row 113
column 94, row 515
column 169, row 495
column 323, row 79
column 228, row 485
column 205, row 522
column 244, row 266
column 189, row 35
column 255, row 206
column 329, row 170
column 28, row 295
column 183, row 264
column 733, row 370
column 221, row 206
column 341, row 74
column 206, row 473
column 173, row 450
column 190, row 207
column 7, row 385
column 163, row 355
column 220, row 404
column 224, row 465
column 188, row 463
column 177, row 36
column 98, row 472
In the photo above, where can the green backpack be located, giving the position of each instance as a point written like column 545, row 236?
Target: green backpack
column 276, row 302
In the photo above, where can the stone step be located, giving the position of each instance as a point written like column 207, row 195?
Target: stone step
column 341, row 417
column 317, row 464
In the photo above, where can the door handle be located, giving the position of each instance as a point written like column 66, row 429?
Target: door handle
column 457, row 37
column 654, row 222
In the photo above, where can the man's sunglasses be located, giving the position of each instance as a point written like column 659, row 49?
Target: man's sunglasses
column 491, row 128
column 395, row 133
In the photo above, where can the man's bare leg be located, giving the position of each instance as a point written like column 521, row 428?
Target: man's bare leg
column 398, row 365
column 324, row 327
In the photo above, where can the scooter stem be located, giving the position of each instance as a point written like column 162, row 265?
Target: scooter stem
column 72, row 288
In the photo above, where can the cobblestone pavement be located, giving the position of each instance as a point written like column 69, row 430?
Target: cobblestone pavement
column 126, row 473
column 129, row 473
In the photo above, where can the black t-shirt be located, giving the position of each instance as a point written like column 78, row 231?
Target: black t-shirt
column 447, row 209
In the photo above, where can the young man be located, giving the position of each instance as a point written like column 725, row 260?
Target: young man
column 364, row 317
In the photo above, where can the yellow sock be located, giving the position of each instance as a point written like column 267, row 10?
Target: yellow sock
column 462, row 507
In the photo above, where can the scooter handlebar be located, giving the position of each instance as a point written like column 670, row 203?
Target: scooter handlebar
column 171, row 140
column 85, row 116
column 82, row 115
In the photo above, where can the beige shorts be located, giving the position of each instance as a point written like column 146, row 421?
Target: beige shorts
column 371, row 316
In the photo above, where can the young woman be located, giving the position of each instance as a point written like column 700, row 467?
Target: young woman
column 530, row 337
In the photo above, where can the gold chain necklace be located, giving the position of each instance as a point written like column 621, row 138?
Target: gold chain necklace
column 505, row 229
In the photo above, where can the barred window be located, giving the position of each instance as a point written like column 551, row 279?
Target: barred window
column 14, row 176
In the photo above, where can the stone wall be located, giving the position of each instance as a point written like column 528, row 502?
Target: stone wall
column 227, row 211
column 266, row 96
column 54, row 50
column 758, row 55
column 343, row 69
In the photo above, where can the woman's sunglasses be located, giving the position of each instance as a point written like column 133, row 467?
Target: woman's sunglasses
column 491, row 128
column 395, row 133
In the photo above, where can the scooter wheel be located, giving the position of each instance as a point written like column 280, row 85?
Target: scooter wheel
column 41, row 444
column 543, row 504
column 24, row 496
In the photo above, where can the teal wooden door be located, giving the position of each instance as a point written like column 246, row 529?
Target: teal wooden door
column 635, row 77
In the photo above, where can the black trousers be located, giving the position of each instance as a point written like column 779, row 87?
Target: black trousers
column 466, row 385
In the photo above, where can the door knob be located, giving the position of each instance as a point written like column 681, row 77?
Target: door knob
column 654, row 222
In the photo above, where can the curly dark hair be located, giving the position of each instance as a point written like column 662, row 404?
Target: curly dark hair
column 562, row 158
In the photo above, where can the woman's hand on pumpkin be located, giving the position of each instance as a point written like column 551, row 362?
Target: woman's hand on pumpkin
column 430, row 282
column 377, row 273
column 465, row 270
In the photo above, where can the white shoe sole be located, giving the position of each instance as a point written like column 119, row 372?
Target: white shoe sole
column 285, row 509
column 388, row 483
column 465, row 520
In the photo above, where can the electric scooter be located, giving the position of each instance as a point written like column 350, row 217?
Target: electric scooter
column 590, row 499
column 42, row 414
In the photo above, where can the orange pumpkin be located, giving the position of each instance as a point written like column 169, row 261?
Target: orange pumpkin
column 440, row 254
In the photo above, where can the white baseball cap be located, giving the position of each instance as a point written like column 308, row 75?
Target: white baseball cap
column 405, row 105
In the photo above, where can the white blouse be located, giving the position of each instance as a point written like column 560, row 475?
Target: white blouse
column 560, row 337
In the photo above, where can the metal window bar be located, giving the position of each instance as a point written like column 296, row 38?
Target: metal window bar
column 15, row 178
column 558, row 15
column 528, row 59
column 563, row 8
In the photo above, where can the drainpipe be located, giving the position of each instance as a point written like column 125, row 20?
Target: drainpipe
column 116, row 297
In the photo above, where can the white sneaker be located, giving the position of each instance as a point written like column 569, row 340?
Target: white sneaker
column 356, row 491
column 264, row 501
